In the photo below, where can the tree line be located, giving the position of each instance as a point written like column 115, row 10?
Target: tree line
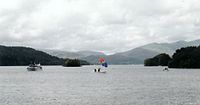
column 186, row 57
column 21, row 56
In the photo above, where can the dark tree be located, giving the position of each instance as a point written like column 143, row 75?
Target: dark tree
column 159, row 60
column 72, row 63
column 188, row 57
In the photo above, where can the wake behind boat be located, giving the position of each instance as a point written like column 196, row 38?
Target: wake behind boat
column 34, row 67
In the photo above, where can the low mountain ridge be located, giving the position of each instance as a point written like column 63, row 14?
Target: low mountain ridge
column 62, row 54
column 139, row 54
column 134, row 56
column 72, row 55
column 18, row 56
column 169, row 48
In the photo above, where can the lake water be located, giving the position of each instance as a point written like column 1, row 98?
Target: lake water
column 120, row 85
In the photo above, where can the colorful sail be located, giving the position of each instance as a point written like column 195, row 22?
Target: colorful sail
column 103, row 62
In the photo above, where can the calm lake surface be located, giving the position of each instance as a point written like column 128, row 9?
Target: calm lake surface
column 120, row 85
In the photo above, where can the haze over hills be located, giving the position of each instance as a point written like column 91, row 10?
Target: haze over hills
column 72, row 55
column 134, row 56
column 169, row 48
column 137, row 55
column 62, row 54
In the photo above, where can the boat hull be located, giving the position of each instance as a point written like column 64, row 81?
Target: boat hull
column 34, row 68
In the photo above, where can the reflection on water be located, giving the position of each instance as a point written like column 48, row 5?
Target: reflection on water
column 120, row 85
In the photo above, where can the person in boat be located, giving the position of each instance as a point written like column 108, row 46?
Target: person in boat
column 99, row 69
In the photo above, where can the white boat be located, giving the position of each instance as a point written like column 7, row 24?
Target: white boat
column 99, row 70
column 34, row 67
column 103, row 64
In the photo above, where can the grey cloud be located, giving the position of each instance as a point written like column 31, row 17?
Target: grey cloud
column 106, row 25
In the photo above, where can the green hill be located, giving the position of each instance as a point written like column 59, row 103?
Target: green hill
column 15, row 56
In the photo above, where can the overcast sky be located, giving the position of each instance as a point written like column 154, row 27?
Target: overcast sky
column 99, row 25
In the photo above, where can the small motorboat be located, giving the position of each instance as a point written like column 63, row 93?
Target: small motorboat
column 34, row 67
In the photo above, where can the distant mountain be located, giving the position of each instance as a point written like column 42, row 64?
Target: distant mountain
column 62, row 54
column 135, row 56
column 139, row 54
column 169, row 48
column 16, row 56
column 66, row 54
column 89, row 53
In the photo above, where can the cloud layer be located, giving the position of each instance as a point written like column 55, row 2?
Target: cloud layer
column 104, row 25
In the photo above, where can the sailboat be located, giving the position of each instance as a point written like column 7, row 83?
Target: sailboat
column 103, row 66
